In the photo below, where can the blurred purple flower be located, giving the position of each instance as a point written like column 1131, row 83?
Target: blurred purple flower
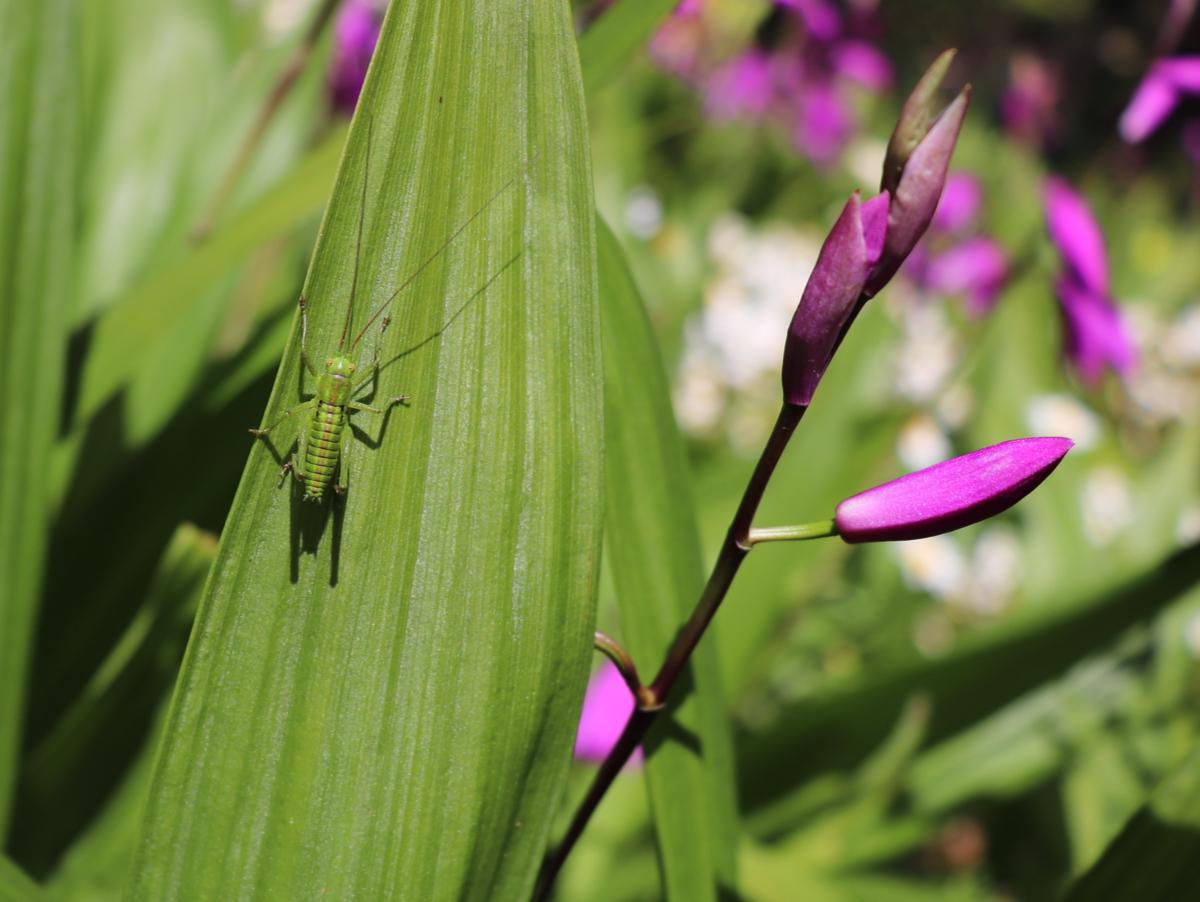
column 1164, row 86
column 355, row 32
column 804, row 82
column 950, row 260
column 1029, row 104
column 606, row 708
column 743, row 86
column 1095, row 337
column 960, row 202
column 952, row 494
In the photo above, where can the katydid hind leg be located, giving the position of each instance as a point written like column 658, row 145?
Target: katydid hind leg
column 343, row 475
column 266, row 430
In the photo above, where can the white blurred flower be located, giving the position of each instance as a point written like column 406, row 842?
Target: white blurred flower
column 995, row 571
column 864, row 159
column 734, row 344
column 934, row 565
column 1166, row 384
column 1181, row 344
column 1063, row 415
column 282, row 17
column 643, row 212
column 922, row 443
column 1187, row 530
column 1107, row 504
column 1191, row 635
column 955, row 406
column 928, row 354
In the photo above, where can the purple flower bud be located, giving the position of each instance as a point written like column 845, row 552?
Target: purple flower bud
column 606, row 707
column 831, row 297
column 952, row 494
column 915, row 181
column 355, row 32
column 916, row 119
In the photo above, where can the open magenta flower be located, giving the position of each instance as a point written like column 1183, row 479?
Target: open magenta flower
column 1095, row 337
column 606, row 708
column 832, row 296
column 914, row 170
column 1164, row 86
column 952, row 494
column 355, row 32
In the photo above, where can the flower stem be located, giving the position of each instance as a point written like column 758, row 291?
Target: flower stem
column 258, row 130
column 623, row 661
column 820, row 529
column 737, row 544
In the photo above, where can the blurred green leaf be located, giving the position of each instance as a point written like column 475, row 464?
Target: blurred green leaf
column 39, row 78
column 380, row 694
column 654, row 556
column 1154, row 857
column 141, row 332
column 66, row 776
column 608, row 45
column 983, row 672
column 15, row 884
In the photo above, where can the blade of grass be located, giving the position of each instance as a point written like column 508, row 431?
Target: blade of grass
column 1154, row 856
column 608, row 45
column 978, row 677
column 66, row 776
column 380, row 696
column 38, row 131
column 140, row 321
column 16, row 885
column 654, row 554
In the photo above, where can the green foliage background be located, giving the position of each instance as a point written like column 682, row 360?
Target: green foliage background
column 378, row 698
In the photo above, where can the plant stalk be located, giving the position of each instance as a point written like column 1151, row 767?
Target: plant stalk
column 258, row 130
column 736, row 546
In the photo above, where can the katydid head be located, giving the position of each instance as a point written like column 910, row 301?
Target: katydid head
column 340, row 367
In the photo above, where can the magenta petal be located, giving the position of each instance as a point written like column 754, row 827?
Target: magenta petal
column 1076, row 234
column 863, row 63
column 1181, row 71
column 976, row 268
column 741, row 86
column 355, row 32
column 1151, row 104
column 820, row 17
column 1095, row 337
column 824, row 124
column 606, row 708
column 961, row 199
column 952, row 494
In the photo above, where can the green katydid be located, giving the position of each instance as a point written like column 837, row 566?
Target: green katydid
column 325, row 439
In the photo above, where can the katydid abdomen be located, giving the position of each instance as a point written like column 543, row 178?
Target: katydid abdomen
column 323, row 449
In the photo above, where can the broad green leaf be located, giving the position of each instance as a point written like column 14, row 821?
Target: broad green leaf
column 380, row 694
column 38, row 143
column 16, row 885
column 655, row 559
column 607, row 46
column 1154, row 857
column 68, row 774
column 984, row 672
